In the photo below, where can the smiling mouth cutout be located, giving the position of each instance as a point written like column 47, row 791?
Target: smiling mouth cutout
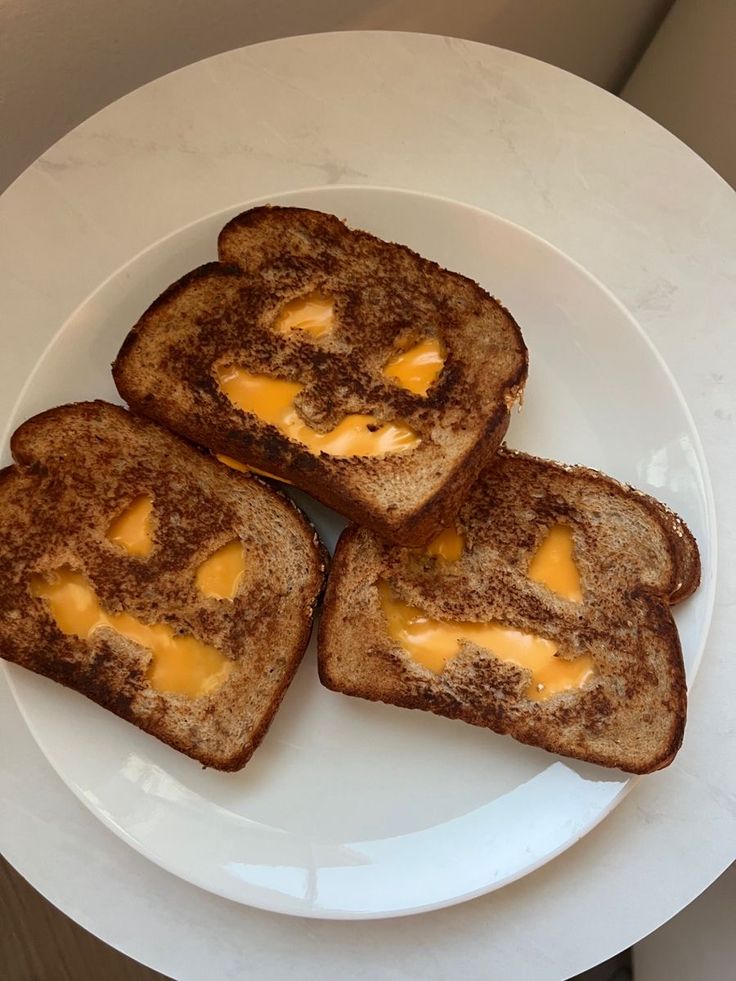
column 180, row 664
column 272, row 401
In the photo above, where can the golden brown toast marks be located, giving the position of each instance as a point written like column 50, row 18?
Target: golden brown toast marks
column 78, row 469
column 384, row 295
column 634, row 558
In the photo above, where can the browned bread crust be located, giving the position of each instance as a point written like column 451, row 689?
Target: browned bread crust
column 635, row 558
column 77, row 467
column 223, row 313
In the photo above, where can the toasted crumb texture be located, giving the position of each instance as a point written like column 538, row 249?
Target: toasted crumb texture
column 224, row 314
column 635, row 558
column 77, row 467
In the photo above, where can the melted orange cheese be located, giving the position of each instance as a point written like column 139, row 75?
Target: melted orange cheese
column 553, row 564
column 220, row 575
column 179, row 663
column 432, row 643
column 418, row 367
column 272, row 400
column 449, row 545
column 132, row 527
column 313, row 314
column 248, row 468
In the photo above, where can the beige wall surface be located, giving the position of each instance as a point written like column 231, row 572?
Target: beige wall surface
column 62, row 60
column 687, row 80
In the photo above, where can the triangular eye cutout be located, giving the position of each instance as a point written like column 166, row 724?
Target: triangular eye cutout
column 313, row 314
column 220, row 575
column 132, row 529
column 553, row 564
column 272, row 401
column 417, row 368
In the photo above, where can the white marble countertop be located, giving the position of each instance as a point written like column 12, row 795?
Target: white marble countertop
column 538, row 146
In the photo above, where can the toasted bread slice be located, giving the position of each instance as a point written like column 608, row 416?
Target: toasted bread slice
column 624, row 702
column 386, row 301
column 108, row 528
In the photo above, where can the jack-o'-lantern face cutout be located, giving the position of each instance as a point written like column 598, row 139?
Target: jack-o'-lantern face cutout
column 326, row 358
column 433, row 642
column 180, row 663
column 412, row 364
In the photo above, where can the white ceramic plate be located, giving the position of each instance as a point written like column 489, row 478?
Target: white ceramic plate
column 351, row 809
